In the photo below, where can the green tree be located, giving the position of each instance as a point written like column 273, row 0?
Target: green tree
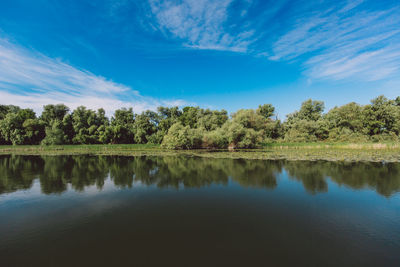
column 212, row 119
column 87, row 125
column 397, row 101
column 190, row 116
column 56, row 127
column 307, row 124
column 266, row 110
column 121, row 130
column 52, row 113
column 5, row 109
column 381, row 117
column 55, row 134
column 246, row 129
column 182, row 137
column 345, row 123
column 144, row 127
column 21, row 128
column 167, row 116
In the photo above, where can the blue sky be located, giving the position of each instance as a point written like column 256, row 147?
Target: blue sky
column 226, row 54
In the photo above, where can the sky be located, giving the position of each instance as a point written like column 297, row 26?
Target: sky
column 219, row 54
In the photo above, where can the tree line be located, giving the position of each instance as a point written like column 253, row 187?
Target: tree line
column 194, row 127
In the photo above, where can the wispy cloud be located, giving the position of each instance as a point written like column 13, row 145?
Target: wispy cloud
column 350, row 5
column 200, row 24
column 339, row 43
column 332, row 40
column 31, row 79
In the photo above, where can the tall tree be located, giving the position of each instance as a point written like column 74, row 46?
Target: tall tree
column 121, row 129
column 21, row 128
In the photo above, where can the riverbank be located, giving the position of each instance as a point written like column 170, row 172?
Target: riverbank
column 370, row 152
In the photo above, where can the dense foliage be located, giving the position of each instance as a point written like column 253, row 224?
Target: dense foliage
column 194, row 127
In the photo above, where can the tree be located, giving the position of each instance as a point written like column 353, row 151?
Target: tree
column 249, row 118
column 190, row 116
column 144, row 127
column 245, row 130
column 212, row 120
column 87, row 125
column 167, row 116
column 239, row 136
column 55, row 134
column 345, row 123
column 34, row 131
column 310, row 110
column 53, row 112
column 306, row 124
column 266, row 110
column 56, row 128
column 21, row 128
column 381, row 116
column 121, row 129
column 182, row 137
column 397, row 101
column 5, row 109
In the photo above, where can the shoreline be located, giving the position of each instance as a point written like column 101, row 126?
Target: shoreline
column 374, row 152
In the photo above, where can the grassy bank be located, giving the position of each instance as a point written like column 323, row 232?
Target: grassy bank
column 388, row 152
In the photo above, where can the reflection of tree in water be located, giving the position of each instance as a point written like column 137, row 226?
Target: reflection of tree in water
column 384, row 178
column 189, row 172
column 89, row 171
column 75, row 170
column 198, row 172
column 125, row 170
column 56, row 172
column 311, row 174
column 17, row 173
column 255, row 173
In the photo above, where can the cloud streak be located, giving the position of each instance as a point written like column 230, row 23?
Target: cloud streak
column 332, row 40
column 200, row 24
column 338, row 44
column 30, row 79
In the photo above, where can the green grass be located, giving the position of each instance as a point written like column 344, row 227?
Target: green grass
column 347, row 145
column 389, row 152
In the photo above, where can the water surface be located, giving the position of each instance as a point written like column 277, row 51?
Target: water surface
column 187, row 211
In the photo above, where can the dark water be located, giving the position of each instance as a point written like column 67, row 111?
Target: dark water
column 177, row 211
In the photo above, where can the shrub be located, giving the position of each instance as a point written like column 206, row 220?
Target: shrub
column 240, row 137
column 215, row 139
column 54, row 135
column 182, row 137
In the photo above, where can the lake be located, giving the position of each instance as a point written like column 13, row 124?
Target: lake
column 192, row 211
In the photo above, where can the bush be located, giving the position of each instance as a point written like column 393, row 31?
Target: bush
column 156, row 138
column 346, row 135
column 54, row 135
column 215, row 139
column 386, row 137
column 182, row 137
column 240, row 137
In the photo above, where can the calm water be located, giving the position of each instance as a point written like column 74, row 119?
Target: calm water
column 179, row 211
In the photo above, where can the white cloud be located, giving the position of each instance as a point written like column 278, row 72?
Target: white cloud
column 368, row 66
column 21, row 67
column 341, row 44
column 30, row 79
column 350, row 5
column 199, row 23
